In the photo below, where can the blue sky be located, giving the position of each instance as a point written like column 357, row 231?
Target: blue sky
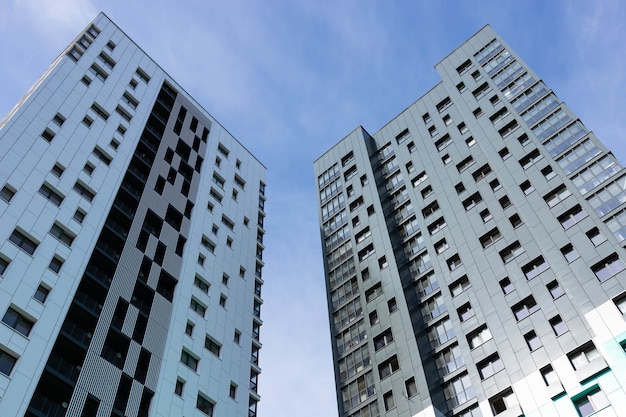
column 290, row 78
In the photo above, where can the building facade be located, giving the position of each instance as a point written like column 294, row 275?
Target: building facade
column 131, row 244
column 473, row 252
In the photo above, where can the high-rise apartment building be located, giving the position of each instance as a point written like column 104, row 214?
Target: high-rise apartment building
column 473, row 252
column 131, row 244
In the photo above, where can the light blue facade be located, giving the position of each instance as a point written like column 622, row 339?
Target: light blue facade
column 131, row 244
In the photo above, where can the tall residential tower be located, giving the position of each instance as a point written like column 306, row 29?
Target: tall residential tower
column 131, row 244
column 473, row 252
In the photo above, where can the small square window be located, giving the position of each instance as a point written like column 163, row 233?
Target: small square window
column 485, row 215
column 494, row 100
column 504, row 153
column 55, row 264
column 558, row 325
column 223, row 299
column 570, row 253
column 548, row 172
column 478, row 112
column 470, row 141
column 506, row 285
column 57, row 170
column 459, row 188
column 446, row 159
column 532, row 340
column 461, row 87
column 189, row 328
column 178, row 388
column 7, row 192
column 555, row 289
column 495, row 185
column 79, row 215
column 595, row 236
column 505, row 202
column 41, row 294
column 373, row 317
column 89, row 168
column 516, row 221
column 527, row 187
column 382, row 263
column 370, row 210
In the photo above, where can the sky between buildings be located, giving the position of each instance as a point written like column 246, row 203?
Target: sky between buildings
column 290, row 78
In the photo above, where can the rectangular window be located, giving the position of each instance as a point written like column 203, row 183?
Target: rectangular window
column 513, row 250
column 608, row 267
column 196, row 306
column 62, row 234
column 558, row 325
column 489, row 366
column 572, row 216
column 490, row 238
column 472, row 200
column 478, row 336
column 213, row 346
column 84, row 192
column 524, row 308
column 24, row 242
column 557, row 195
column 388, row 367
column 506, row 400
column 481, row 172
column 54, row 196
column 591, row 402
column 18, row 321
column 7, row 362
column 464, row 164
column 535, row 267
column 532, row 340
column 7, row 192
column 383, row 339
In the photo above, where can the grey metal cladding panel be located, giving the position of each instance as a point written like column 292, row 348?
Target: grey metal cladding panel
column 134, row 399
column 158, row 326
column 132, row 357
column 99, row 377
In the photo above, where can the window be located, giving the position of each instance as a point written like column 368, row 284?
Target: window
column 505, row 202
column 441, row 246
column 569, row 253
column 7, row 362
column 447, row 119
column 503, row 401
column 196, row 306
column 595, row 236
column 223, row 299
column 61, row 234
column 426, row 118
column 427, row 191
column 48, row 134
column 449, row 359
column 18, row 321
column 470, row 141
column 4, row 264
column 454, row 262
column 510, row 252
column 515, row 220
column 608, row 267
column 388, row 367
column 411, row 387
column 389, row 401
column 232, row 391
column 548, row 172
column 504, row 153
column 481, row 172
column 189, row 328
column 464, row 67
column 555, row 289
column 465, row 312
column 55, row 264
column 535, row 267
column 490, row 237
column 558, row 325
column 557, row 195
column 458, row 390
column 591, row 402
column 392, row 305
column 464, row 164
column 460, row 285
column 79, row 215
column 7, row 192
column 506, row 285
column 373, row 292
column 459, row 188
column 41, row 294
column 572, row 216
column 524, row 308
column 402, row 136
column 549, row 375
column 491, row 365
column 446, row 159
column 620, row 303
column 532, row 340
column 205, row 405
column 461, row 87
column 84, row 192
column 472, row 200
column 583, row 355
column 527, row 187
column 495, row 185
column 213, row 346
column 178, row 388
column 444, row 104
column 442, row 143
column 383, row 339
column 24, row 242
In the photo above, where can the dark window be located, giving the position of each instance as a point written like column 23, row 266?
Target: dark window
column 18, row 321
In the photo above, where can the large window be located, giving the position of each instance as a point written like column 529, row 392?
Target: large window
column 459, row 390
column 591, row 402
column 608, row 267
column 18, row 321
column 205, row 405
column 490, row 366
column 503, row 401
column 7, row 362
column 23, row 241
